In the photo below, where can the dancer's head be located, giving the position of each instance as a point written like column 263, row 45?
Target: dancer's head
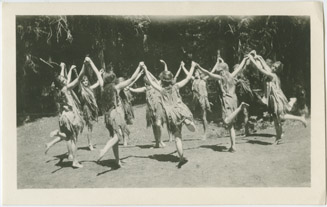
column 60, row 81
column 222, row 67
column 109, row 77
column 167, row 78
column 85, row 81
column 277, row 67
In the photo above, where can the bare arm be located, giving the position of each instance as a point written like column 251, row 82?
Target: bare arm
column 63, row 71
column 95, row 69
column 163, row 62
column 239, row 68
column 74, row 83
column 138, row 90
column 188, row 77
column 259, row 67
column 152, row 83
column 209, row 74
column 127, row 82
column 138, row 76
column 263, row 62
column 97, row 84
column 178, row 72
column 185, row 70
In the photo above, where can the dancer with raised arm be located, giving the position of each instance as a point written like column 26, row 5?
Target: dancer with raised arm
column 126, row 100
column 88, row 101
column 113, row 111
column 177, row 113
column 155, row 113
column 229, row 98
column 200, row 97
column 278, row 105
column 70, row 119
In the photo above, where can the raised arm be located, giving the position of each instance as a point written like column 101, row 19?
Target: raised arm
column 240, row 67
column 138, row 76
column 188, row 77
column 210, row 74
column 77, row 80
column 163, row 62
column 95, row 69
column 185, row 70
column 178, row 72
column 127, row 82
column 137, row 90
column 152, row 83
column 63, row 71
column 69, row 76
column 259, row 67
column 263, row 62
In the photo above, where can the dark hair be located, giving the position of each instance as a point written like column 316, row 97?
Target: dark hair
column 109, row 78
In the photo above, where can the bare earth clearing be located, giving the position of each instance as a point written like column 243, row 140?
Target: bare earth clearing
column 256, row 163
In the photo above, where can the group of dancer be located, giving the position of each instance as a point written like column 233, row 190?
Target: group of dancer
column 164, row 103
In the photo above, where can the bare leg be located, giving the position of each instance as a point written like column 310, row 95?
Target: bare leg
column 115, row 149
column 179, row 147
column 70, row 150
column 233, row 115
column 158, row 130
column 89, row 138
column 155, row 133
column 76, row 164
column 110, row 143
column 53, row 142
column 246, row 121
column 232, row 138
column 205, row 124
column 278, row 128
column 295, row 118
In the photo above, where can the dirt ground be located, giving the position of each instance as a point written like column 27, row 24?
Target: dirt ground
column 257, row 163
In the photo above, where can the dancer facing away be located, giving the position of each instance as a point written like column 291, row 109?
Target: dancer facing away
column 126, row 100
column 229, row 98
column 177, row 113
column 278, row 105
column 200, row 97
column 70, row 120
column 113, row 111
column 88, row 101
column 155, row 113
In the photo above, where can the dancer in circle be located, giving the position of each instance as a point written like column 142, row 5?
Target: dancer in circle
column 229, row 98
column 155, row 113
column 70, row 119
column 88, row 101
column 200, row 97
column 126, row 100
column 113, row 110
column 177, row 113
column 278, row 105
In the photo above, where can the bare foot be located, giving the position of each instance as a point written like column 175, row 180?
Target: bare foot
column 47, row 147
column 101, row 154
column 162, row 145
column 70, row 157
column 304, row 122
column 190, row 125
column 54, row 133
column 77, row 165
column 182, row 162
column 232, row 150
column 91, row 148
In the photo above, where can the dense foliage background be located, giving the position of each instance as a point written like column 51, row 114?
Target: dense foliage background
column 120, row 42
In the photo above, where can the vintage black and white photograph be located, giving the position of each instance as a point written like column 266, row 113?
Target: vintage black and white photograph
column 138, row 101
